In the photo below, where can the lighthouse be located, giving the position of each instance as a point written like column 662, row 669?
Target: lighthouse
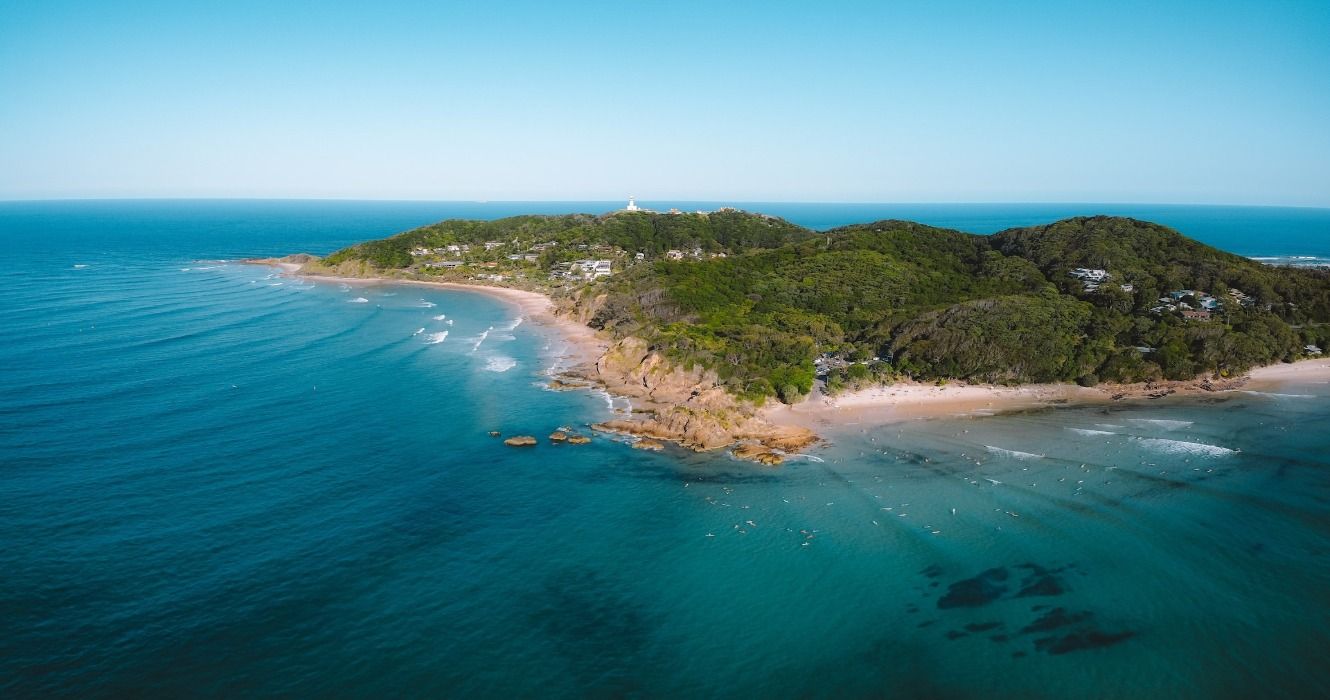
column 632, row 204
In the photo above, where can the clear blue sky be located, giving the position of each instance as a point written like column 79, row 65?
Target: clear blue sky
column 805, row 101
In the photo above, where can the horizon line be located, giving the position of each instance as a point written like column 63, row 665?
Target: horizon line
column 720, row 202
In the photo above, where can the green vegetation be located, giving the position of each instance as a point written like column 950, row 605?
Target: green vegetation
column 770, row 306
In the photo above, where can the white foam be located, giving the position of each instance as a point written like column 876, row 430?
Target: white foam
column 358, row 300
column 1109, row 425
column 450, row 322
column 344, row 287
column 436, row 338
column 1087, row 431
column 427, row 304
column 481, row 339
column 1163, row 423
column 500, row 363
column 418, row 332
column 81, row 266
column 1278, row 396
column 274, row 284
column 1182, row 447
column 440, row 317
column 1014, row 454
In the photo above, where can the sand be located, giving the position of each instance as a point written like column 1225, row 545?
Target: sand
column 585, row 344
column 910, row 400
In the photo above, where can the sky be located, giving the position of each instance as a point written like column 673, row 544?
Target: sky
column 1213, row 103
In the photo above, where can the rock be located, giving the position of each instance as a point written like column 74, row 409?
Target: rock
column 494, row 433
column 758, row 453
column 558, row 436
column 578, row 439
column 649, row 444
column 520, row 441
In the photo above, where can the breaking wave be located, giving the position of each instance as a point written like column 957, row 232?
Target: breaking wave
column 500, row 363
column 1087, row 431
column 358, row 300
column 1181, row 447
column 1014, row 454
column 1163, row 423
column 436, row 338
column 440, row 317
column 1278, row 396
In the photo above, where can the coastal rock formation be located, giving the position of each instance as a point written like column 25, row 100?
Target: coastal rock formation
column 687, row 406
column 757, row 453
column 578, row 439
column 648, row 444
column 520, row 441
column 558, row 436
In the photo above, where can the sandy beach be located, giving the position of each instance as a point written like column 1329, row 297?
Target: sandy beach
column 913, row 400
column 585, row 345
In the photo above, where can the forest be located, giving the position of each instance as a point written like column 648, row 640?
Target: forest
column 771, row 306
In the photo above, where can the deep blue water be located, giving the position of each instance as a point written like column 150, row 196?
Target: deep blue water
column 217, row 482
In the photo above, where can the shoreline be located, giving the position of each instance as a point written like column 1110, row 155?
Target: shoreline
column 894, row 403
column 879, row 405
column 585, row 344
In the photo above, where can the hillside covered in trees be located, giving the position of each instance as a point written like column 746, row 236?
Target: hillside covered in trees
column 770, row 305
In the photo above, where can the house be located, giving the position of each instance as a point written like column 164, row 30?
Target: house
column 448, row 264
column 420, row 251
column 531, row 257
column 674, row 254
column 1196, row 315
column 640, row 256
column 1311, row 350
column 1091, row 278
column 491, row 245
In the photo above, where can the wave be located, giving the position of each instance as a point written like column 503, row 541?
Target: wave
column 1182, row 447
column 344, row 287
column 1108, row 425
column 358, row 300
column 513, row 326
column 481, row 339
column 436, row 338
column 426, row 304
column 450, row 322
column 440, row 317
column 418, row 332
column 1014, row 454
column 1279, row 396
column 500, row 363
column 80, row 266
column 1163, row 423
column 1087, row 431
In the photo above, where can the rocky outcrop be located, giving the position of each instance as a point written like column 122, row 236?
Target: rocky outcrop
column 558, row 436
column 687, row 406
column 578, row 439
column 758, row 453
column 648, row 444
column 520, row 441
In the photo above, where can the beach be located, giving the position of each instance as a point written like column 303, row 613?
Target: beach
column 913, row 400
column 585, row 345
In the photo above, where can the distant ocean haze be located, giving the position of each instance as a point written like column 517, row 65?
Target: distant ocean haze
column 219, row 480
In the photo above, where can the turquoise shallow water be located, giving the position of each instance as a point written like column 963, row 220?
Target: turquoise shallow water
column 214, row 481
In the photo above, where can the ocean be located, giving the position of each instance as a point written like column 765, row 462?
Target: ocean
column 216, row 481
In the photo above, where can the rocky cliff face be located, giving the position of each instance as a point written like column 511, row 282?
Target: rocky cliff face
column 684, row 405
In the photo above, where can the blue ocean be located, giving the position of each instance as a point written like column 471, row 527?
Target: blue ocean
column 216, row 481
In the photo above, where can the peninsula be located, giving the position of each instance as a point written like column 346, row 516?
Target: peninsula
column 717, row 322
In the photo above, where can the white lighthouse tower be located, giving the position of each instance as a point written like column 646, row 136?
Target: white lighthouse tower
column 632, row 205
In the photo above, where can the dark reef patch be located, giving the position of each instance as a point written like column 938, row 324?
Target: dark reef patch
column 977, row 591
column 1055, row 618
column 1080, row 640
column 982, row 626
